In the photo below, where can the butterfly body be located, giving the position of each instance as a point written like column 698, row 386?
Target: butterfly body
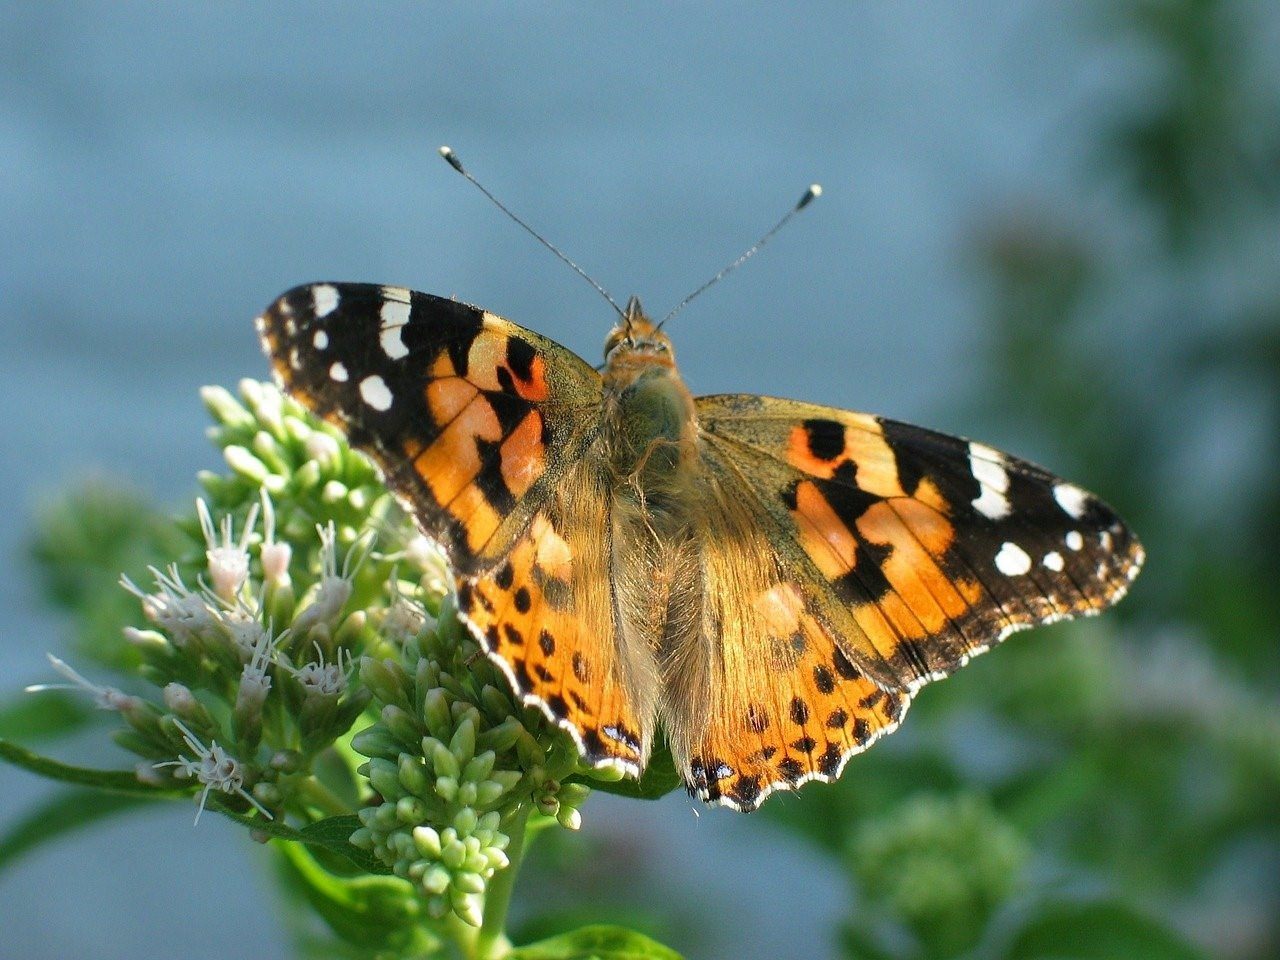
column 766, row 582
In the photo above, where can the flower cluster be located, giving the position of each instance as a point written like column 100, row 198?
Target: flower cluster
column 447, row 757
column 308, row 626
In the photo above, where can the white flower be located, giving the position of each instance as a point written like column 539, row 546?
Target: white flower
column 275, row 556
column 174, row 608
column 213, row 767
column 228, row 559
column 334, row 589
column 255, row 684
column 324, row 679
column 104, row 698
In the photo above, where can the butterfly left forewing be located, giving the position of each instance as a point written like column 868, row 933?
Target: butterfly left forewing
column 471, row 418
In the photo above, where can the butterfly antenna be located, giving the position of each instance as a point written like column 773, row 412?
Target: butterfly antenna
column 814, row 191
column 454, row 162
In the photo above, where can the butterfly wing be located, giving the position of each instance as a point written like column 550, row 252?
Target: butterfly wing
column 471, row 418
column 899, row 553
column 548, row 613
column 482, row 427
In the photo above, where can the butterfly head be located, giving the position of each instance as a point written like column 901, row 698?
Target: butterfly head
column 636, row 341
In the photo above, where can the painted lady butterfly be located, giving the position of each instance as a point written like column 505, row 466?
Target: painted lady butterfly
column 768, row 582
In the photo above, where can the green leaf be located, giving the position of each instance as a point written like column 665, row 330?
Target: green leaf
column 113, row 781
column 1097, row 930
column 376, row 914
column 660, row 778
column 596, row 943
column 64, row 812
column 331, row 834
column 49, row 715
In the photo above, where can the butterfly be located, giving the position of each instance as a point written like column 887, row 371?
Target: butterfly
column 766, row 582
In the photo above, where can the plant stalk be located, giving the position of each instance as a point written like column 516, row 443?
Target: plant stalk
column 492, row 943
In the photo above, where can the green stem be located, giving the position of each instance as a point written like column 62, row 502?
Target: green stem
column 492, row 942
column 315, row 792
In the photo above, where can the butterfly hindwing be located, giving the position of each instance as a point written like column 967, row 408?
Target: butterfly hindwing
column 547, row 614
column 471, row 418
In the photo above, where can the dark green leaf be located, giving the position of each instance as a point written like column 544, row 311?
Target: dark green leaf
column 596, row 943
column 1097, row 930
column 61, row 814
column 332, row 834
column 114, row 781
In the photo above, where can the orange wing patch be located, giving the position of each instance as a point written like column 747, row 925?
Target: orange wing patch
column 543, row 615
column 813, row 709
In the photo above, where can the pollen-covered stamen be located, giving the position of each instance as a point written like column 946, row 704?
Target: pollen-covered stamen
column 255, row 683
column 334, row 589
column 174, row 607
column 104, row 698
column 324, row 679
column 213, row 767
column 228, row 558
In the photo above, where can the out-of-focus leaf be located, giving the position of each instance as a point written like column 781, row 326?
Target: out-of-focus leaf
column 858, row 943
column 378, row 915
column 63, row 813
column 1097, row 930
column 596, row 943
column 51, row 714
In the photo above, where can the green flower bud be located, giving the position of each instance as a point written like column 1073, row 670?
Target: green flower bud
column 445, row 762
column 436, row 879
column 243, row 462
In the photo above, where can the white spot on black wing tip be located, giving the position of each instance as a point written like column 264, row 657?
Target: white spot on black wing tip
column 1053, row 560
column 1012, row 560
column 1071, row 499
column 987, row 466
column 324, row 299
column 339, row 373
column 374, row 392
column 321, row 340
column 1074, row 540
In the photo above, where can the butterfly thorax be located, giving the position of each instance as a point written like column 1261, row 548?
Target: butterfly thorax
column 649, row 425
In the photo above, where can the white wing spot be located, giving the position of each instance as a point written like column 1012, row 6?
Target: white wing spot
column 1074, row 540
column 324, row 297
column 1104, row 538
column 987, row 466
column 395, row 314
column 1071, row 499
column 320, row 340
column 338, row 372
column 1053, row 560
column 295, row 361
column 375, row 392
column 1012, row 560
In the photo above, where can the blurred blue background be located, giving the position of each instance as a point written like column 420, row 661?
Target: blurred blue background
column 989, row 169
